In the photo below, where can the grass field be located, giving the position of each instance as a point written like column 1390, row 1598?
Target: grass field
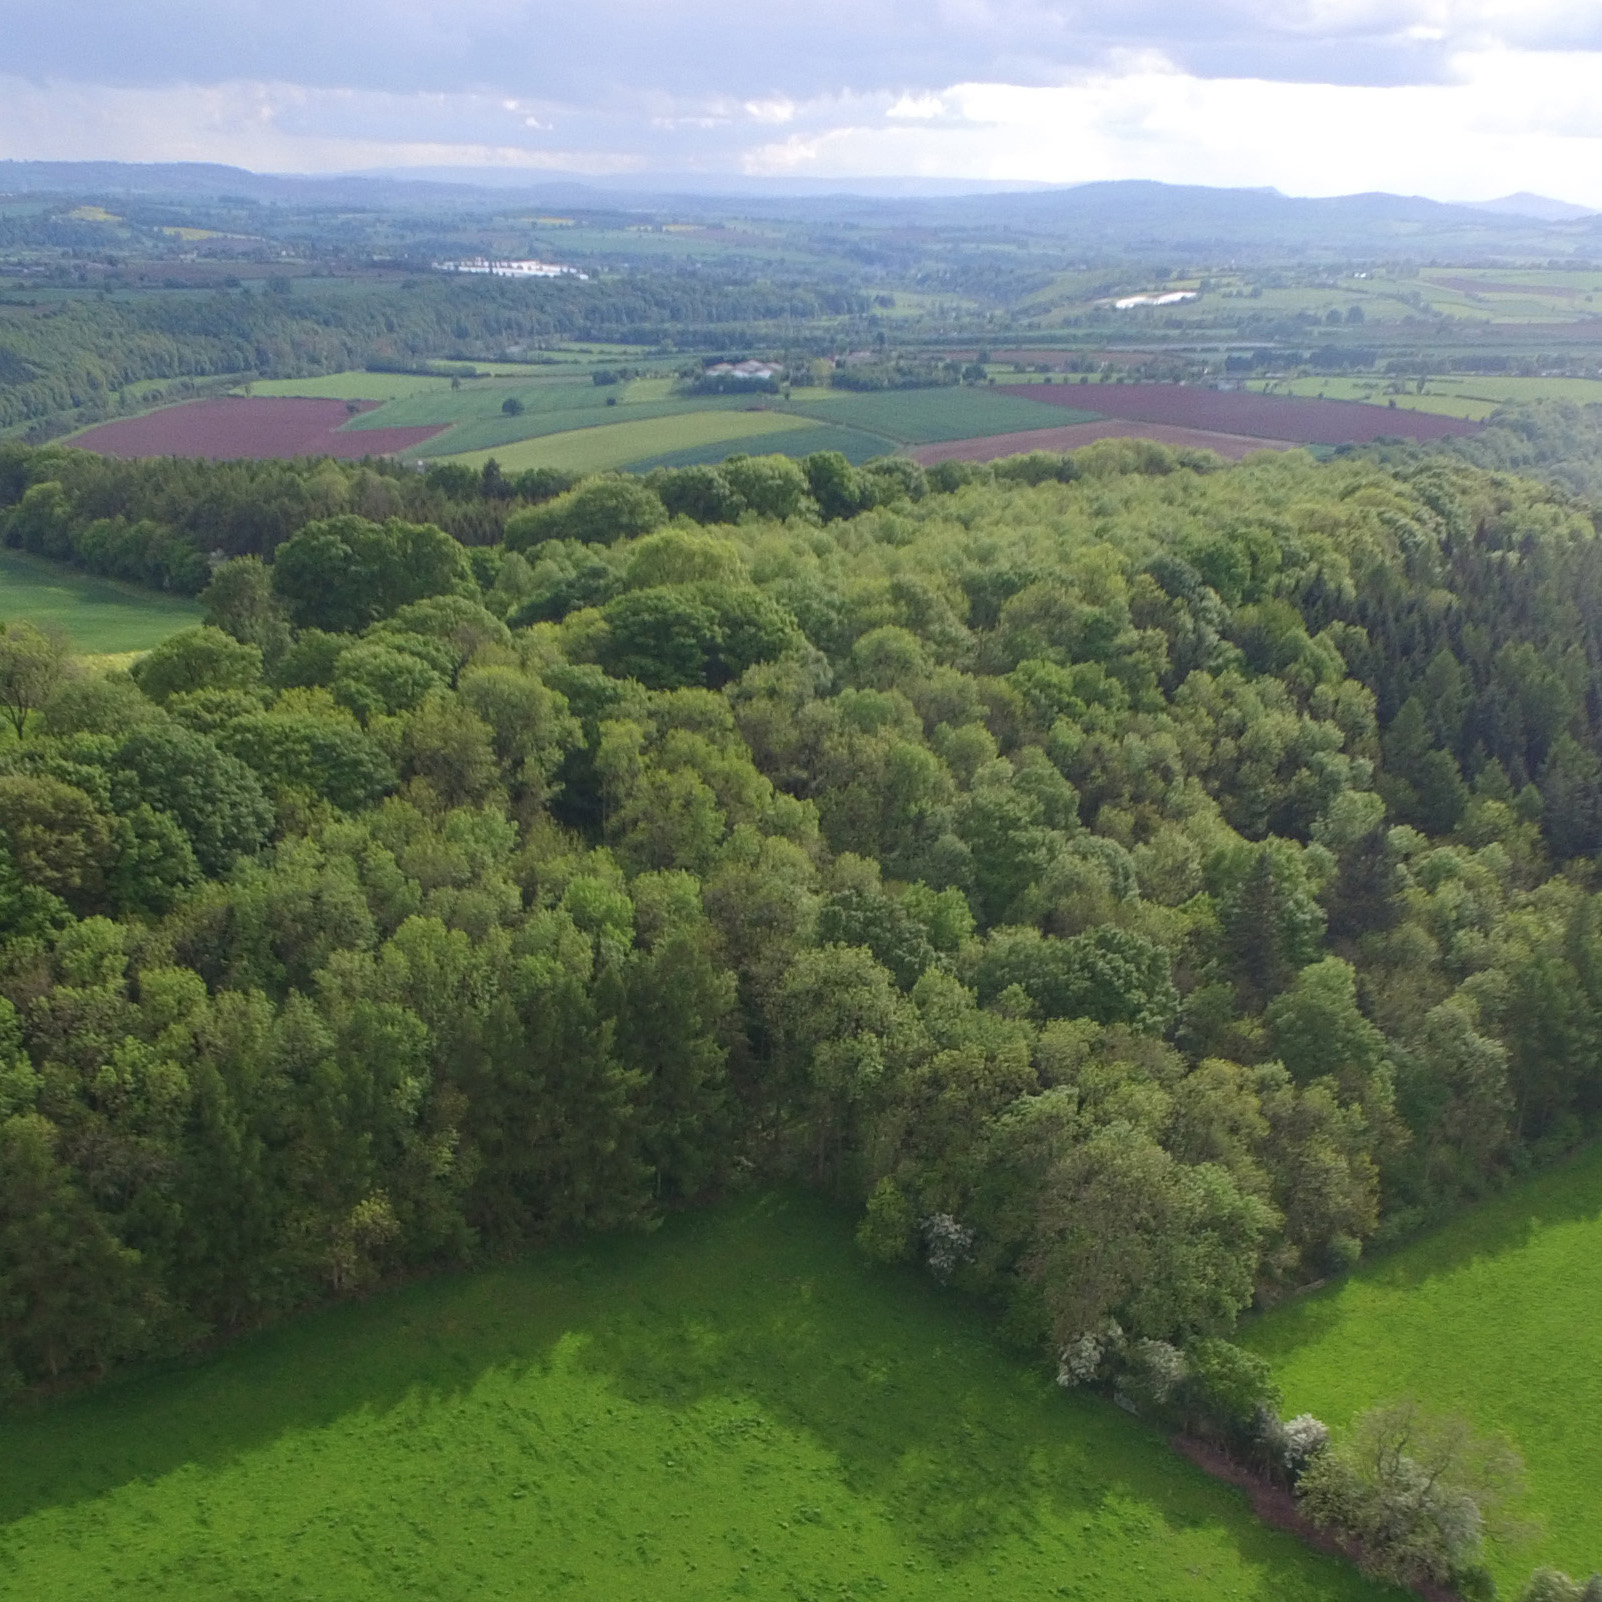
column 1497, row 1316
column 1373, row 391
column 739, row 1406
column 1471, row 395
column 100, row 616
column 354, row 386
column 592, row 450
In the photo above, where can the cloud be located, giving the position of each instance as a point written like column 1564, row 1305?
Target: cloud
column 800, row 48
column 1455, row 98
column 1507, row 120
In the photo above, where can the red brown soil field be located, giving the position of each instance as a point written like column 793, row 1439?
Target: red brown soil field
column 1278, row 417
column 236, row 426
column 992, row 446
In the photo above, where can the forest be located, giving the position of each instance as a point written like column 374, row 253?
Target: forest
column 1137, row 885
column 76, row 355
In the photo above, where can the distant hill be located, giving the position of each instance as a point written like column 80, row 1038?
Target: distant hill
column 1137, row 218
column 1542, row 207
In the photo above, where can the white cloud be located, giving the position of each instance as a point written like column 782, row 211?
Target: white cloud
column 1452, row 98
column 1510, row 120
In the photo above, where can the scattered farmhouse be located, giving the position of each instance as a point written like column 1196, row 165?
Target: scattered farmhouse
column 508, row 269
column 744, row 372
column 1172, row 298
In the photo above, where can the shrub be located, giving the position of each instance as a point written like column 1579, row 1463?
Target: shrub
column 1416, row 1494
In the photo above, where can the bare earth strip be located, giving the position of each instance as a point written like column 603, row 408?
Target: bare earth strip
column 993, row 446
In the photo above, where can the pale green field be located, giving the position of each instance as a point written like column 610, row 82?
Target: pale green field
column 739, row 1408
column 101, row 617
column 360, row 385
column 1470, row 396
column 352, row 386
column 1374, row 392
column 591, row 450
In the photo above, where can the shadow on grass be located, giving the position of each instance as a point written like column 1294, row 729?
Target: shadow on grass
column 756, row 1311
column 1568, row 1194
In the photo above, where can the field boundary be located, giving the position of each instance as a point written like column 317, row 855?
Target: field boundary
column 1278, row 1508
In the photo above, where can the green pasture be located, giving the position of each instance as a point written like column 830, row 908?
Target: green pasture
column 927, row 416
column 1469, row 395
column 1377, row 392
column 1497, row 1316
column 360, row 386
column 592, row 450
column 100, row 616
column 1517, row 390
column 739, row 1406
column 854, row 445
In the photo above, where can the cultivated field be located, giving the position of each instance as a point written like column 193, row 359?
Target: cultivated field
column 801, row 438
column 740, row 1406
column 237, row 426
column 592, row 450
column 1497, row 1316
column 1309, row 422
column 924, row 416
column 992, row 448
column 100, row 616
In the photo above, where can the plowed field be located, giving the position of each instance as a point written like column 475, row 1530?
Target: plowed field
column 991, row 447
column 1307, row 422
column 255, row 426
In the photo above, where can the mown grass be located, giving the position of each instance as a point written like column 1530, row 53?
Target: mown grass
column 592, row 450
column 1497, row 1316
column 739, row 1406
column 100, row 616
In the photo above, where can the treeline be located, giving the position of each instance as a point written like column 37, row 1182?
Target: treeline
column 1137, row 883
column 1557, row 441
column 83, row 352
column 166, row 521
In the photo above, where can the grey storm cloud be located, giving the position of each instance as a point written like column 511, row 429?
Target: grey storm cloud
column 600, row 53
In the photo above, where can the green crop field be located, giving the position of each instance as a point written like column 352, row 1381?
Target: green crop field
column 587, row 409
column 100, row 616
column 927, row 416
column 593, row 450
column 802, row 440
column 739, row 1406
column 482, row 399
column 1497, row 1316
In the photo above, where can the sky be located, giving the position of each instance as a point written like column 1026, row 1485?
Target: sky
column 1456, row 99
